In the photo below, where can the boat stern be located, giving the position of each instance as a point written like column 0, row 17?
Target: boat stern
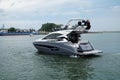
column 92, row 52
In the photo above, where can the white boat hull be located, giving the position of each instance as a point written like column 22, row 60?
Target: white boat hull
column 63, row 48
column 54, row 48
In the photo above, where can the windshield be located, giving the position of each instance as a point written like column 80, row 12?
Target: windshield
column 52, row 36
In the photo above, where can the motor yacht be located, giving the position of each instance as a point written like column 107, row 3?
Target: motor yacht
column 67, row 41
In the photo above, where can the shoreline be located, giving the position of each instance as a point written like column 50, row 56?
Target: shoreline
column 103, row 32
column 18, row 34
column 25, row 34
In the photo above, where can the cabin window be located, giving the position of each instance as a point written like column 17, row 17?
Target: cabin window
column 52, row 36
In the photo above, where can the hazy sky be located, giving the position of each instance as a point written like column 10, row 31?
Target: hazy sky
column 103, row 14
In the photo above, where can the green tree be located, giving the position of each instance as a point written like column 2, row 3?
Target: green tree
column 12, row 29
column 49, row 27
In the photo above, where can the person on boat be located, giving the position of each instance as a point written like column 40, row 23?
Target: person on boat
column 83, row 26
column 83, row 22
column 80, row 27
column 88, row 25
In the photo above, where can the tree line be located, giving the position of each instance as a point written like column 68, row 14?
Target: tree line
column 47, row 27
column 12, row 29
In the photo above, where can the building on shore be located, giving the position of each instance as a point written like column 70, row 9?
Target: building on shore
column 17, row 31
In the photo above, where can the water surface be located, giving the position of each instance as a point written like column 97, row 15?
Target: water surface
column 19, row 60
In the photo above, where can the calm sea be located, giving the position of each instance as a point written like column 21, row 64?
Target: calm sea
column 19, row 60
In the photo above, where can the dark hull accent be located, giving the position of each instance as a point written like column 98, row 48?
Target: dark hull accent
column 48, row 46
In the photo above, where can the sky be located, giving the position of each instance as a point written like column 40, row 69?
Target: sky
column 104, row 15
